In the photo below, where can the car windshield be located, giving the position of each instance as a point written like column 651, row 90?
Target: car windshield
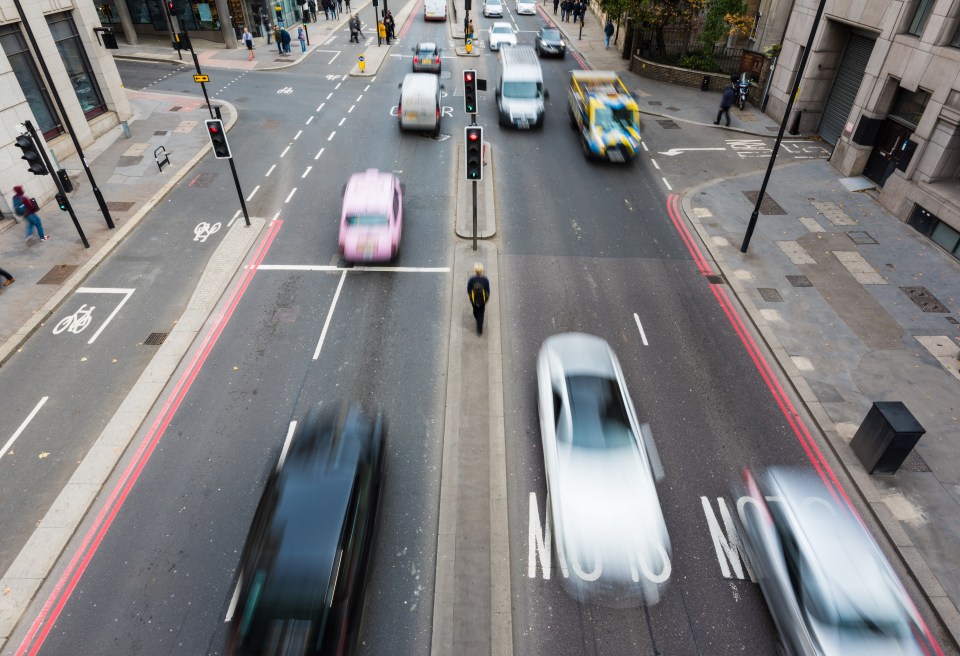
column 551, row 35
column 599, row 415
column 609, row 119
column 493, row 3
column 520, row 90
column 367, row 220
column 497, row 29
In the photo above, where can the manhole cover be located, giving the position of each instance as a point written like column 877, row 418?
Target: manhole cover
column 673, row 109
column 715, row 279
column 655, row 103
column 768, row 206
column 770, row 295
column 913, row 462
column 155, row 339
column 57, row 275
column 924, row 299
column 861, row 237
column 286, row 314
column 129, row 160
column 241, row 99
column 270, row 125
column 176, row 108
column 668, row 125
column 202, row 180
column 120, row 205
column 799, row 281
column 159, row 133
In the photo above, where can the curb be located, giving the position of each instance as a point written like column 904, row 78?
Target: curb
column 786, row 137
column 940, row 604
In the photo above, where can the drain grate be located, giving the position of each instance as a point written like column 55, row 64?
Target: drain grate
column 202, row 180
column 953, row 321
column 655, row 103
column 57, row 275
column 913, row 462
column 770, row 295
column 861, row 237
column 716, row 279
column 799, row 281
column 241, row 99
column 120, row 205
column 673, row 109
column 668, row 125
column 286, row 314
column 768, row 206
column 155, row 339
column 159, row 133
column 176, row 108
column 924, row 299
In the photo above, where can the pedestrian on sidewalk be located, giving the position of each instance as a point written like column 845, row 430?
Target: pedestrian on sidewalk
column 478, row 291
column 326, row 8
column 312, row 6
column 556, row 3
column 608, row 32
column 348, row 6
column 339, row 6
column 268, row 30
column 333, row 9
column 285, row 38
column 24, row 206
column 389, row 24
column 248, row 41
column 302, row 38
column 726, row 101
column 564, row 10
column 276, row 38
column 9, row 279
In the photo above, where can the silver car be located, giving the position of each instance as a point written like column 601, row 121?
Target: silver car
column 829, row 588
column 601, row 468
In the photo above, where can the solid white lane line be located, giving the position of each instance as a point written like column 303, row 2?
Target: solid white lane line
column 235, row 216
column 297, row 136
column 291, row 429
column 330, row 138
column 309, row 120
column 326, row 323
column 234, row 599
column 350, row 111
column 276, row 216
column 23, row 426
column 332, row 58
column 306, row 172
column 341, row 121
column 667, row 183
column 284, row 151
column 272, row 166
column 332, row 267
column 321, row 106
column 319, row 154
column 655, row 165
column 292, row 192
column 402, row 269
column 253, row 193
column 329, row 94
column 643, row 335
column 359, row 98
column 128, row 292
column 297, row 267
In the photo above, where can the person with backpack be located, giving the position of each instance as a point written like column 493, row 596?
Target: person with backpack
column 478, row 291
column 25, row 206
column 285, row 39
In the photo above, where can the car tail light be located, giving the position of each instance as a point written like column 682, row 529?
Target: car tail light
column 416, row 59
column 438, row 113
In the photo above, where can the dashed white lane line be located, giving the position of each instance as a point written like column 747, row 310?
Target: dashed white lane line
column 329, row 95
column 306, row 172
column 667, row 183
column 291, row 429
column 234, row 599
column 350, row 111
column 367, row 88
column 290, row 195
column 321, row 106
column 326, row 323
column 330, row 138
column 319, row 154
column 644, row 146
column 284, row 151
column 253, row 193
column 338, row 86
column 341, row 121
column 270, row 170
column 23, row 426
column 236, row 215
column 655, row 165
column 643, row 335
column 359, row 98
column 297, row 136
column 309, row 120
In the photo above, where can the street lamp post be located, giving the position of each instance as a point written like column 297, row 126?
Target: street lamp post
column 63, row 114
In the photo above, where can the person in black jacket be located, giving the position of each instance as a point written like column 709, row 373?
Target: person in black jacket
column 478, row 291
column 726, row 101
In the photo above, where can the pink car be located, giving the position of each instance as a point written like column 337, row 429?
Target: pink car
column 372, row 217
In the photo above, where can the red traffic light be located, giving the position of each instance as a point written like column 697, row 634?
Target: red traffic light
column 472, row 136
column 468, row 76
column 213, row 128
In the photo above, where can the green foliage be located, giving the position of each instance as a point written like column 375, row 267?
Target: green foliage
column 700, row 62
column 716, row 25
column 616, row 9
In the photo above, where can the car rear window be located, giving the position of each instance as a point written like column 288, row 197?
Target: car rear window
column 366, row 220
column 599, row 415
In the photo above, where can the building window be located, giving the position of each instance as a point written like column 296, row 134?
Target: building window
column 908, row 106
column 75, row 60
column 924, row 7
column 939, row 232
column 955, row 41
column 107, row 11
column 197, row 15
column 25, row 70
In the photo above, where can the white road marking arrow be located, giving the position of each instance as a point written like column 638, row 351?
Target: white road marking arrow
column 677, row 151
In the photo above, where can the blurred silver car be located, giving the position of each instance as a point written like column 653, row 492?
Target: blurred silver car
column 426, row 58
column 601, row 466
column 828, row 586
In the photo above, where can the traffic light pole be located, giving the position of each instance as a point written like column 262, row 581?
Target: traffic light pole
column 61, row 193
column 196, row 63
column 63, row 113
column 236, row 181
column 473, row 122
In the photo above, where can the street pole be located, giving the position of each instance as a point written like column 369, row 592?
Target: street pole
column 61, row 192
column 473, row 122
column 236, row 181
column 63, row 114
column 783, row 126
column 196, row 63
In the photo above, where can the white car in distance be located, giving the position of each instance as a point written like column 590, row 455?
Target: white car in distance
column 502, row 34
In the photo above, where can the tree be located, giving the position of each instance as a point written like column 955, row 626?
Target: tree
column 659, row 14
column 724, row 17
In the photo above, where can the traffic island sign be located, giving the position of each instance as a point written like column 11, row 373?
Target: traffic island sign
column 201, row 78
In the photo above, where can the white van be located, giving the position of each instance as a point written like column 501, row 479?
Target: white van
column 419, row 107
column 520, row 92
column 435, row 10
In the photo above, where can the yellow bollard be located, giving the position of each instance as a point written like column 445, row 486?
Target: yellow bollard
column 361, row 63
column 469, row 45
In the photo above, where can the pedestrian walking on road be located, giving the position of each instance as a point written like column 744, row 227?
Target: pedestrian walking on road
column 556, row 3
column 248, row 41
column 302, row 38
column 285, row 38
column 25, row 206
column 276, row 38
column 478, row 291
column 726, row 101
column 9, row 279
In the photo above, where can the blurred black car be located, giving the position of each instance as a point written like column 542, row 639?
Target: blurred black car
column 549, row 41
column 304, row 566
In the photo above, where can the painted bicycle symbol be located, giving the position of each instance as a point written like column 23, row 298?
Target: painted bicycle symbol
column 204, row 230
column 76, row 322
column 285, row 90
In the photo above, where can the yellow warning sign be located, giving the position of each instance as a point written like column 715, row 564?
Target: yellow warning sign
column 201, row 78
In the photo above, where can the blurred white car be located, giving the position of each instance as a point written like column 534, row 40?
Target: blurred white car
column 528, row 7
column 601, row 467
column 492, row 8
column 828, row 586
column 502, row 34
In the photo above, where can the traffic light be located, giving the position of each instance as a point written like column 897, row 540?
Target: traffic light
column 65, row 180
column 218, row 138
column 470, row 92
column 170, row 7
column 31, row 154
column 474, row 152
column 62, row 201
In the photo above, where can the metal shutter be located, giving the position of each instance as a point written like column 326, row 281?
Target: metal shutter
column 845, row 87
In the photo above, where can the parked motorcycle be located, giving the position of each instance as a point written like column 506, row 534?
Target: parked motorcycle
column 743, row 89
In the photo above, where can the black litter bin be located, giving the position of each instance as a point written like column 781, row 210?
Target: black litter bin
column 705, row 83
column 885, row 438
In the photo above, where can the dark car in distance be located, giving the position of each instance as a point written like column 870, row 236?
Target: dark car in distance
column 549, row 41
column 304, row 566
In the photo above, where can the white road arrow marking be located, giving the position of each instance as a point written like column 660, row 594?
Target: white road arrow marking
column 677, row 151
